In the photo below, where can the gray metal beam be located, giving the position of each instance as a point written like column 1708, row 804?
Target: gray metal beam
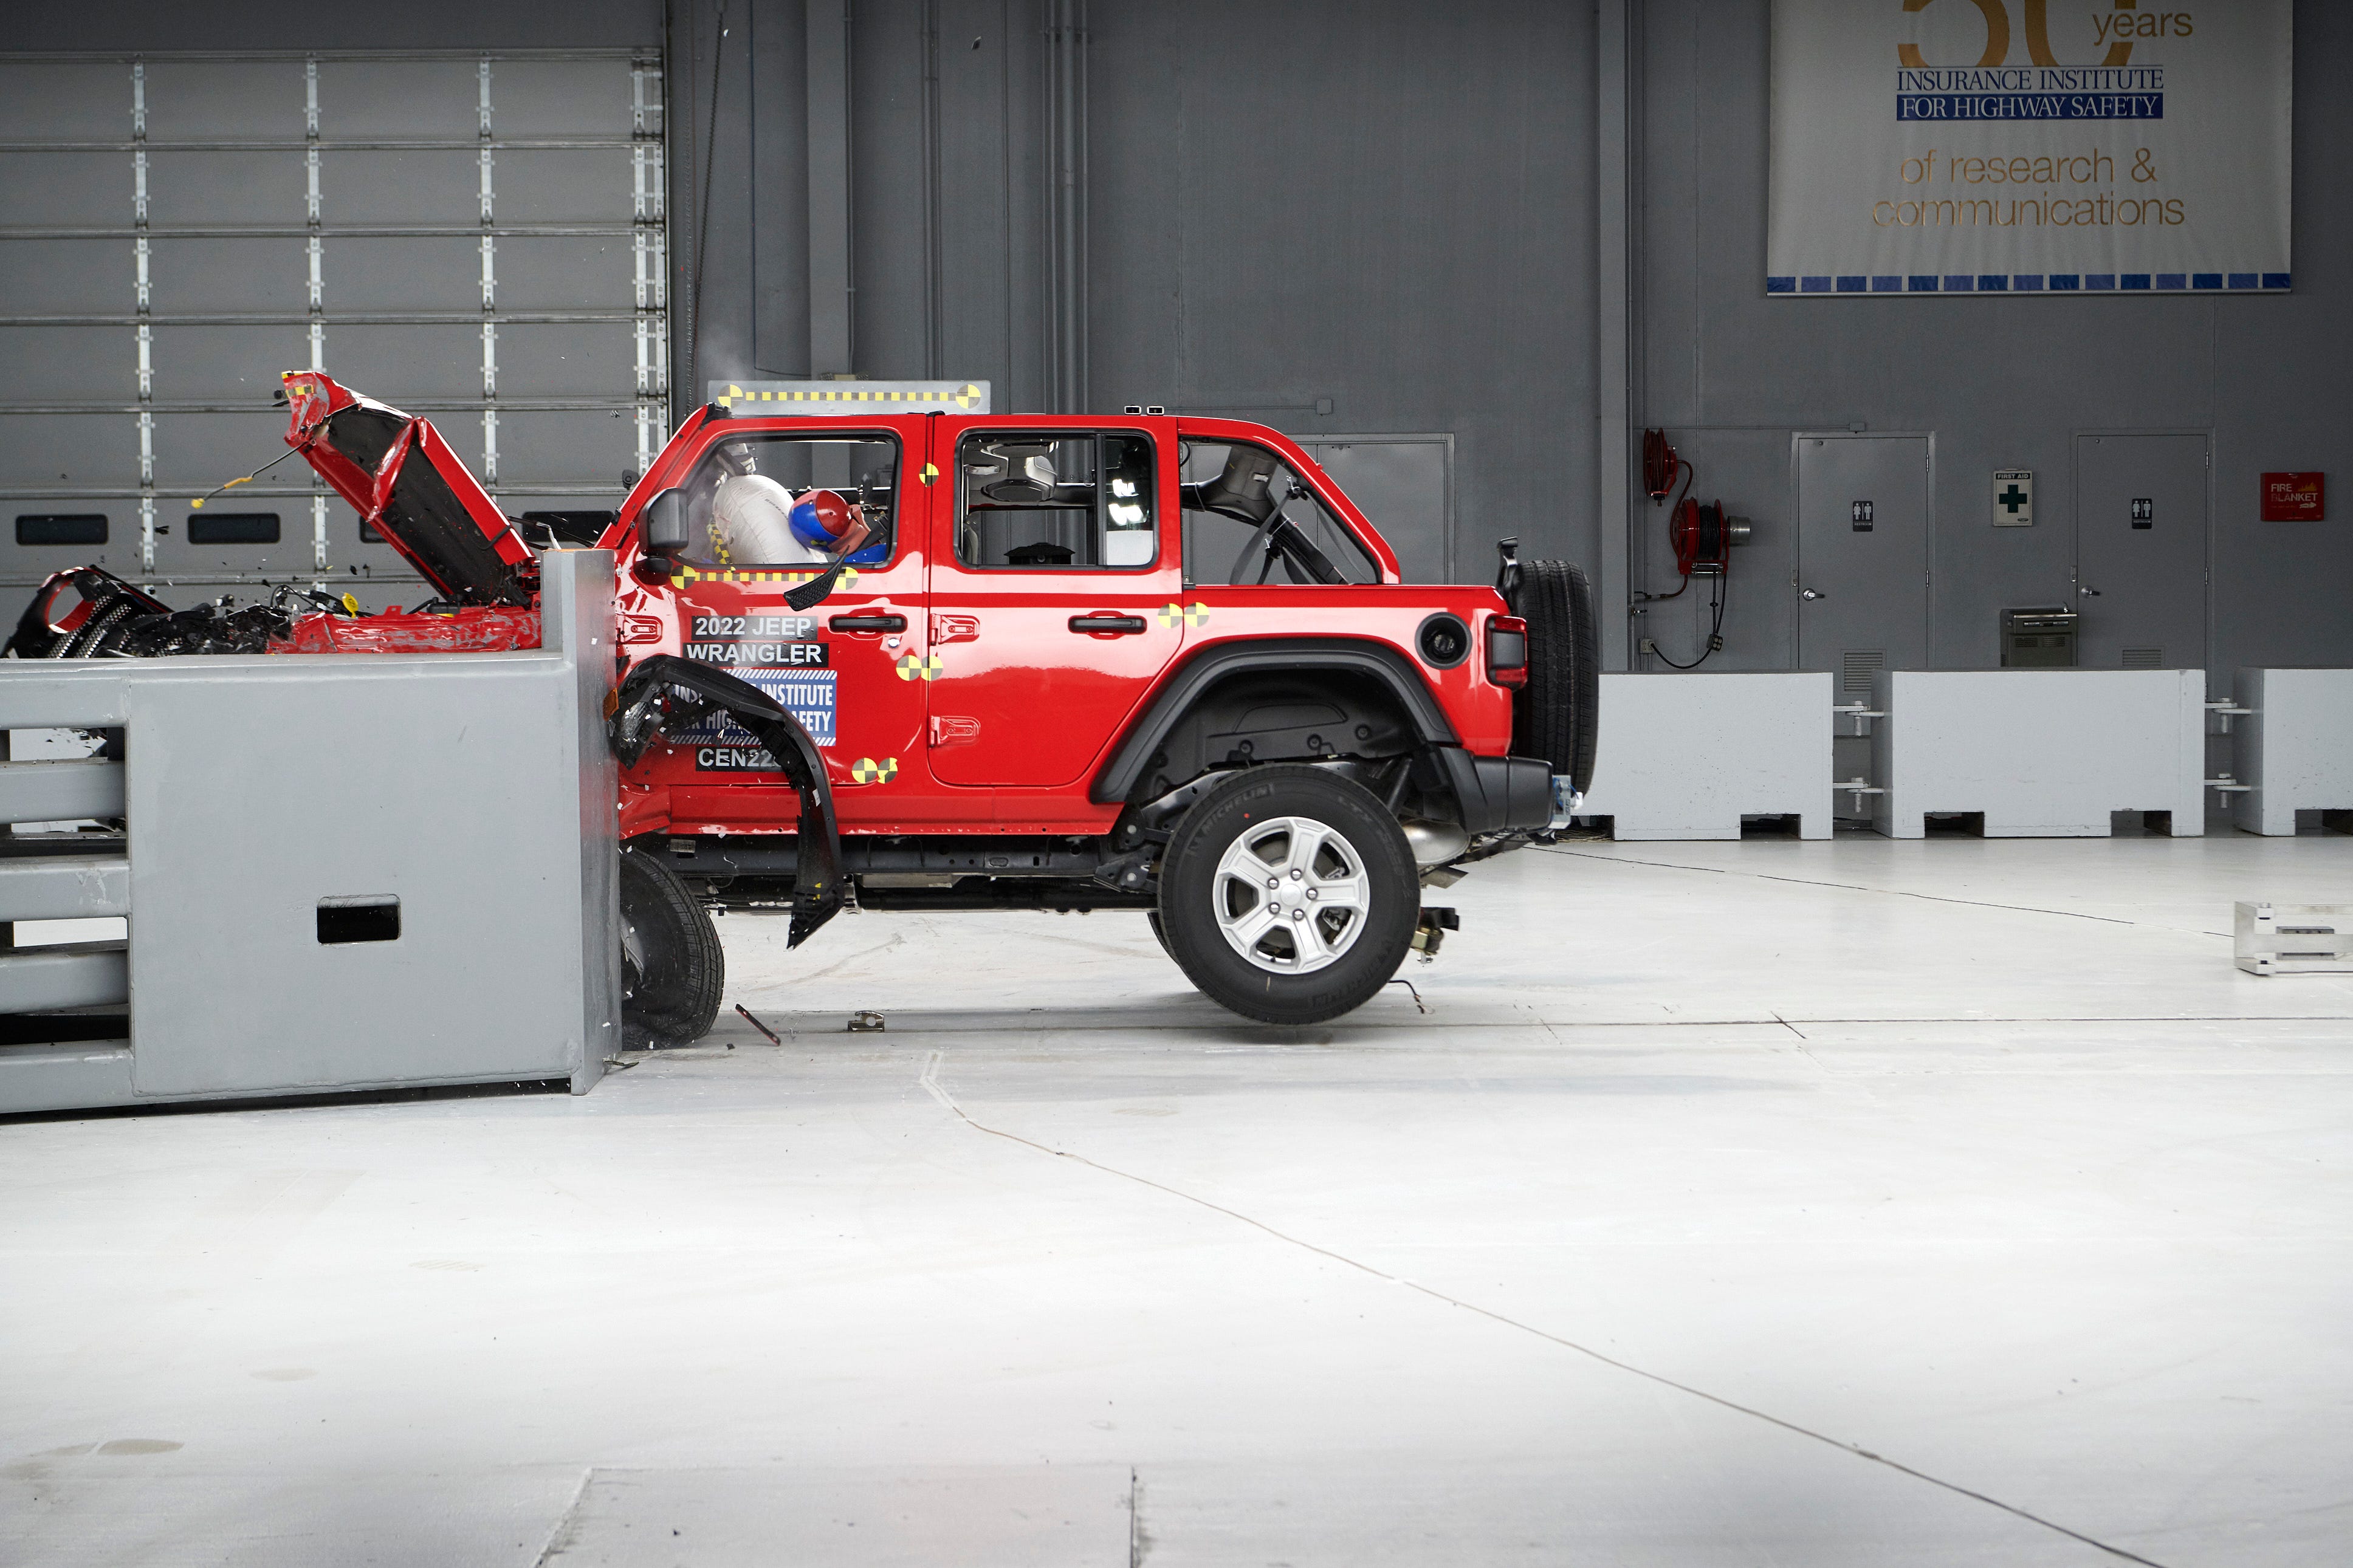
column 64, row 886
column 1069, row 153
column 284, row 144
column 65, row 791
column 343, row 319
column 80, row 975
column 831, row 349
column 296, row 57
column 1613, row 152
column 332, row 231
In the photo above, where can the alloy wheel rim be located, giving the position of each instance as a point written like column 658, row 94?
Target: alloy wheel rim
column 1291, row 895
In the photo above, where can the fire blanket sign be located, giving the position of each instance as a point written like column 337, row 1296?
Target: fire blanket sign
column 2013, row 147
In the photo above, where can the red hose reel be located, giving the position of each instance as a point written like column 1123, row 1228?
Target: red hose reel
column 1701, row 534
column 1704, row 537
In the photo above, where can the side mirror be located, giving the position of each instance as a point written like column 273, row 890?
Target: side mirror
column 661, row 526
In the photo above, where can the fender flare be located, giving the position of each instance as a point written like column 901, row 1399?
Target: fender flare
column 1287, row 656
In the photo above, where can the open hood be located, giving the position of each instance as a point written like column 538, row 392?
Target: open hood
column 402, row 478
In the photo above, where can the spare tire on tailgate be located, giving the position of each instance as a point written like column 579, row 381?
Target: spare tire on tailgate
column 1556, row 714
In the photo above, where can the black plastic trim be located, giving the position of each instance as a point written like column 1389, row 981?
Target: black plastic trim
column 1448, row 620
column 1288, row 656
column 1498, row 794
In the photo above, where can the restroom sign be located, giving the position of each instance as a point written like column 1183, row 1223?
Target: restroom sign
column 2013, row 498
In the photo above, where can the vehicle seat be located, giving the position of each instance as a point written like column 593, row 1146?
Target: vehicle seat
column 1244, row 488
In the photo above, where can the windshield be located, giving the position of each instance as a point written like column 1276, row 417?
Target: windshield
column 1249, row 517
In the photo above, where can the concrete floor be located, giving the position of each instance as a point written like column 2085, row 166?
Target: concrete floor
column 1853, row 1203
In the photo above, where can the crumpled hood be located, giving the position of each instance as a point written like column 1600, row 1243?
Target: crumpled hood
column 402, row 477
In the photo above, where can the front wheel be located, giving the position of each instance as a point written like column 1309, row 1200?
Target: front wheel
column 1289, row 895
column 671, row 967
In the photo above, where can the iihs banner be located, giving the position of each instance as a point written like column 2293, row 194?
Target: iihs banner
column 2008, row 146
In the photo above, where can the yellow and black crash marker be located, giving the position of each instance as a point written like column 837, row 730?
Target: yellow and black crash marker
column 963, row 397
column 919, row 667
column 931, row 471
column 790, row 579
column 866, row 770
column 1193, row 614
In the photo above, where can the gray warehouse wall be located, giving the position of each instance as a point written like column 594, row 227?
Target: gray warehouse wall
column 1333, row 218
column 257, row 24
column 2002, row 383
column 1387, row 205
column 1392, row 210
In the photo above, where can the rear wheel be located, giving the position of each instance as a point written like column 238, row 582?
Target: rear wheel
column 671, row 967
column 1289, row 895
column 1556, row 715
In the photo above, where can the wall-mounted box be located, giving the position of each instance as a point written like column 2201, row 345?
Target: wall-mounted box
column 2039, row 637
column 2295, row 498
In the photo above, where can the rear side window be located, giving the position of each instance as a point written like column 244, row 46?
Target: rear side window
column 1250, row 518
column 1056, row 500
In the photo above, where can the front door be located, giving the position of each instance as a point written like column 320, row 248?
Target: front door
column 836, row 665
column 1862, row 556
column 1057, row 585
column 2140, row 552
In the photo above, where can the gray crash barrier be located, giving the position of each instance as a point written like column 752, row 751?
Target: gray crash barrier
column 339, row 871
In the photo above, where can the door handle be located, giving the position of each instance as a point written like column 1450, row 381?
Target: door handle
column 1810, row 593
column 868, row 623
column 2089, row 593
column 1121, row 624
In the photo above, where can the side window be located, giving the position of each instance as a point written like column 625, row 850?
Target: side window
column 1249, row 518
column 744, row 500
column 1055, row 500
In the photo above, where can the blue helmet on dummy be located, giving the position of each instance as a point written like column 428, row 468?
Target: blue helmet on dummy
column 820, row 520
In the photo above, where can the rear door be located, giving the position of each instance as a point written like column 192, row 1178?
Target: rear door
column 1056, row 592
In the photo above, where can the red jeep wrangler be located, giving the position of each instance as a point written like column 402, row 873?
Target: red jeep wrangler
column 1135, row 662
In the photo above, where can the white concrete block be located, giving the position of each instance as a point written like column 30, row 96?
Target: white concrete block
column 2296, row 748
column 1687, row 756
column 2043, row 753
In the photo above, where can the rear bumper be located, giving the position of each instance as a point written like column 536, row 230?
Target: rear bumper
column 1500, row 795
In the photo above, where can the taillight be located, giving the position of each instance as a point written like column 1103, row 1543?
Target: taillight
column 1507, row 650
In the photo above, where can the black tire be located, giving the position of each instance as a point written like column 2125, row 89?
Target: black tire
column 1159, row 933
column 1193, row 881
column 1557, row 713
column 672, row 969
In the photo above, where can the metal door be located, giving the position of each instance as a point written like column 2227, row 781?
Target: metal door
column 1861, row 580
column 476, row 238
column 2140, row 552
column 1405, row 486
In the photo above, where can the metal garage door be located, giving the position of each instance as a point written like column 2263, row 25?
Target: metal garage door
column 475, row 237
